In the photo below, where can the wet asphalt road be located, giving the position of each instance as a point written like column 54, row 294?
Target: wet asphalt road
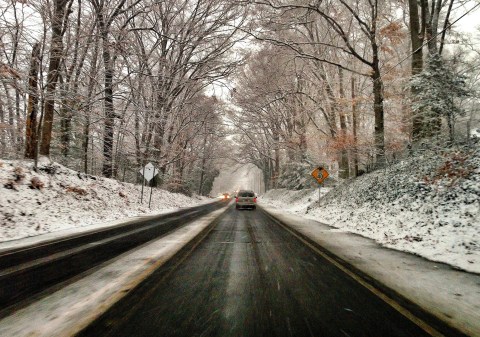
column 250, row 277
column 26, row 272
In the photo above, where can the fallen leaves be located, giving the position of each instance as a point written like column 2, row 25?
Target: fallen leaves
column 36, row 183
column 77, row 190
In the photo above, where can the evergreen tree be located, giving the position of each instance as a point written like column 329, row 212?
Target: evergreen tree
column 436, row 89
column 296, row 175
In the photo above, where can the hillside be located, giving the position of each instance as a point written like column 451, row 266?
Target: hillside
column 428, row 204
column 57, row 198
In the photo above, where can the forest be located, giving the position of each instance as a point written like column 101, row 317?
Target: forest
column 104, row 87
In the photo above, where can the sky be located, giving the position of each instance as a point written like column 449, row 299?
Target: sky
column 469, row 23
column 235, row 177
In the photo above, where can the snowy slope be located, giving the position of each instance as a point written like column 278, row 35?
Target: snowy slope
column 427, row 205
column 69, row 199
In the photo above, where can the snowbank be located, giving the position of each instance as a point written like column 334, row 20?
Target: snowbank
column 427, row 205
column 57, row 198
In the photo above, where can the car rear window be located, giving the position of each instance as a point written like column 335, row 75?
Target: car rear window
column 246, row 194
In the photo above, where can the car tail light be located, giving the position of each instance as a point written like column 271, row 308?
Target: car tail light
column 255, row 199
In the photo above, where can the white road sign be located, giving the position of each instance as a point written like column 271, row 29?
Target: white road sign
column 149, row 172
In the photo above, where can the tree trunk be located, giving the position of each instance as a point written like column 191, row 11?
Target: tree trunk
column 120, row 141
column 86, row 138
column 202, row 176
column 378, row 108
column 19, row 139
column 91, row 85
column 276, row 165
column 445, row 27
column 451, row 127
column 354, row 129
column 417, row 61
column 3, row 143
column 14, row 64
column 107, row 169
column 435, row 19
column 66, row 126
column 202, row 167
column 11, row 116
column 431, row 23
column 267, row 174
column 52, row 76
column 69, row 101
column 344, row 169
column 31, row 137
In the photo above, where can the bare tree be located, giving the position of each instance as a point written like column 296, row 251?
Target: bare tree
column 61, row 12
column 31, row 136
column 359, row 16
column 106, row 14
column 183, row 48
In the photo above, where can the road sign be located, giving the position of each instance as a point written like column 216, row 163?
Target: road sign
column 149, row 172
column 320, row 174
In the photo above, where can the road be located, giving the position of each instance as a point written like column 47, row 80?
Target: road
column 251, row 277
column 28, row 271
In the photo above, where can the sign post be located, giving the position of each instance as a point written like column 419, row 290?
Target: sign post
column 319, row 174
column 148, row 172
column 143, row 184
column 151, row 190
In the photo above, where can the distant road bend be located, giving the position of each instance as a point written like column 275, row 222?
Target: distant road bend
column 27, row 271
column 253, row 276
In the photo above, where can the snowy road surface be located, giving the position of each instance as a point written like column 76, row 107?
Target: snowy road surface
column 251, row 277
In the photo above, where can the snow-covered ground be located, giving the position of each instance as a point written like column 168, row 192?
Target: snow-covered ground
column 56, row 198
column 428, row 205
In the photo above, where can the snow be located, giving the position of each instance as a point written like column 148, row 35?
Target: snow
column 70, row 200
column 68, row 310
column 427, row 205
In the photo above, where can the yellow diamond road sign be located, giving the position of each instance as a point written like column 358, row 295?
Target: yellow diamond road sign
column 320, row 174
